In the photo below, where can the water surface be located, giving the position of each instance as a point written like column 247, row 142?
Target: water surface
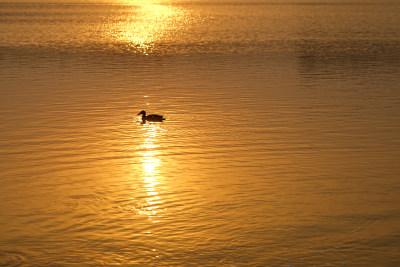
column 280, row 145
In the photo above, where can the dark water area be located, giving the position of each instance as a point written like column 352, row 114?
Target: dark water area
column 280, row 145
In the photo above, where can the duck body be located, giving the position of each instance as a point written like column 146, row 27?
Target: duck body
column 151, row 117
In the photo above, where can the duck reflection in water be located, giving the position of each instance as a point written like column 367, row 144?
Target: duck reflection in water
column 151, row 117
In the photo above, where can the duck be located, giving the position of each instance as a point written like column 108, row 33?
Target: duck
column 152, row 117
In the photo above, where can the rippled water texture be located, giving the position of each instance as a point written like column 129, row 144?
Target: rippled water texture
column 280, row 145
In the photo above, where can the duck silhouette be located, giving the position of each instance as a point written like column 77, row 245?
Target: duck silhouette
column 152, row 117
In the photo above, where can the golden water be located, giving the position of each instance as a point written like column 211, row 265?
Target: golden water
column 280, row 145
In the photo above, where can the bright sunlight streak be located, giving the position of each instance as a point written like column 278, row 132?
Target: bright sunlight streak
column 150, row 169
column 148, row 23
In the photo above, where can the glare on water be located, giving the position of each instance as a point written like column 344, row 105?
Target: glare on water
column 151, row 162
column 149, row 24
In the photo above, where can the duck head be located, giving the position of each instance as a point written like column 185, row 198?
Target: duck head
column 142, row 113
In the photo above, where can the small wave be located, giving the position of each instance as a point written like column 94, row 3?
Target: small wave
column 12, row 258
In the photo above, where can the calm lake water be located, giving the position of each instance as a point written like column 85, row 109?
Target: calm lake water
column 280, row 145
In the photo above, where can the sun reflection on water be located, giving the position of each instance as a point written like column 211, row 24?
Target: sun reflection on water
column 151, row 163
column 148, row 23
